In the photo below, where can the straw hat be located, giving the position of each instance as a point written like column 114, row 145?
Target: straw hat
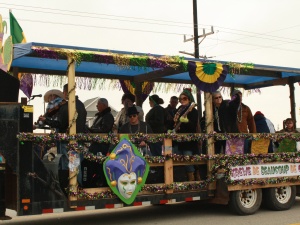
column 53, row 92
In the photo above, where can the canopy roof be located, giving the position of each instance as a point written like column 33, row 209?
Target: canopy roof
column 42, row 58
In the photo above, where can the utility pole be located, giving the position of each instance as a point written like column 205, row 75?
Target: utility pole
column 196, row 49
column 196, row 38
column 196, row 55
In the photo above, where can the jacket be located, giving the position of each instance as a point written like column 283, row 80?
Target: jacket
column 103, row 122
column 155, row 119
column 245, row 120
column 189, row 127
column 61, row 121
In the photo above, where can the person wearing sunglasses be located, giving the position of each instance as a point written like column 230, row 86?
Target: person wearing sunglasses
column 127, row 100
column 136, row 126
column 219, row 108
column 188, row 124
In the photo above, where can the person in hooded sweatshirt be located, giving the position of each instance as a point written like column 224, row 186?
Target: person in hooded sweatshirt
column 264, row 125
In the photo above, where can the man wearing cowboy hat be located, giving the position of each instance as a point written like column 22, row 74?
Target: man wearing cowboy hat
column 61, row 123
column 54, row 97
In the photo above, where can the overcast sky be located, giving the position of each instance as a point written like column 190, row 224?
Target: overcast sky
column 258, row 31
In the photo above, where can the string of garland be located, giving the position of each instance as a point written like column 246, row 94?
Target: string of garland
column 180, row 186
column 129, row 62
column 224, row 162
column 152, row 138
column 221, row 162
column 124, row 61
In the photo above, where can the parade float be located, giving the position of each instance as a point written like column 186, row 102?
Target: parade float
column 30, row 184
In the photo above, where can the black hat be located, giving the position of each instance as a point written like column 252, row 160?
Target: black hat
column 132, row 111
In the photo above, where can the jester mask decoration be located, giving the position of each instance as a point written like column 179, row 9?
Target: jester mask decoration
column 126, row 171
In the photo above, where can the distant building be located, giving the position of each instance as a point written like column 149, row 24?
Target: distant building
column 90, row 106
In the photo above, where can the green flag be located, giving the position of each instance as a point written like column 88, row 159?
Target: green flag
column 15, row 30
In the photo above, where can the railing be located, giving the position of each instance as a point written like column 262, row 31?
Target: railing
column 215, row 163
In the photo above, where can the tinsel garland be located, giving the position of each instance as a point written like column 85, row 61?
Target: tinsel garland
column 176, row 186
column 263, row 182
column 153, row 138
column 224, row 162
column 81, row 193
column 238, row 68
column 123, row 61
column 221, row 162
column 181, row 186
column 129, row 61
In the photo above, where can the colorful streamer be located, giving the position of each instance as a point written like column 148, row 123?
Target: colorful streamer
column 129, row 87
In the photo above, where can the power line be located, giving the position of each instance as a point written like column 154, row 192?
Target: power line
column 147, row 31
column 98, row 14
column 139, row 18
column 266, row 38
column 102, row 27
column 259, row 47
column 99, row 17
column 266, row 34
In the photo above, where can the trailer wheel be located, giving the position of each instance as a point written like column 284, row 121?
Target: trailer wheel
column 279, row 198
column 245, row 202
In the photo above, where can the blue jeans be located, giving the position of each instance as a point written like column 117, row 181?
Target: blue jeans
column 189, row 168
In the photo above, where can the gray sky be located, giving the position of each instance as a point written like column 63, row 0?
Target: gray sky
column 260, row 32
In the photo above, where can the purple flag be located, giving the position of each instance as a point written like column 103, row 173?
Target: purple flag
column 235, row 146
column 26, row 84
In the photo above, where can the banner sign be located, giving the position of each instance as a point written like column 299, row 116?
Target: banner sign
column 265, row 171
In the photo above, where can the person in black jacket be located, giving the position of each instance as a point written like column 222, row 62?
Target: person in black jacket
column 188, row 124
column 61, row 123
column 170, row 111
column 93, row 175
column 103, row 123
column 155, row 119
column 135, row 126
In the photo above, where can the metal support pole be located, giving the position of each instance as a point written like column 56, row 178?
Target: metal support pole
column 292, row 100
column 196, row 41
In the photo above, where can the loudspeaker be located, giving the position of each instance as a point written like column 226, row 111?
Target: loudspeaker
column 9, row 87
